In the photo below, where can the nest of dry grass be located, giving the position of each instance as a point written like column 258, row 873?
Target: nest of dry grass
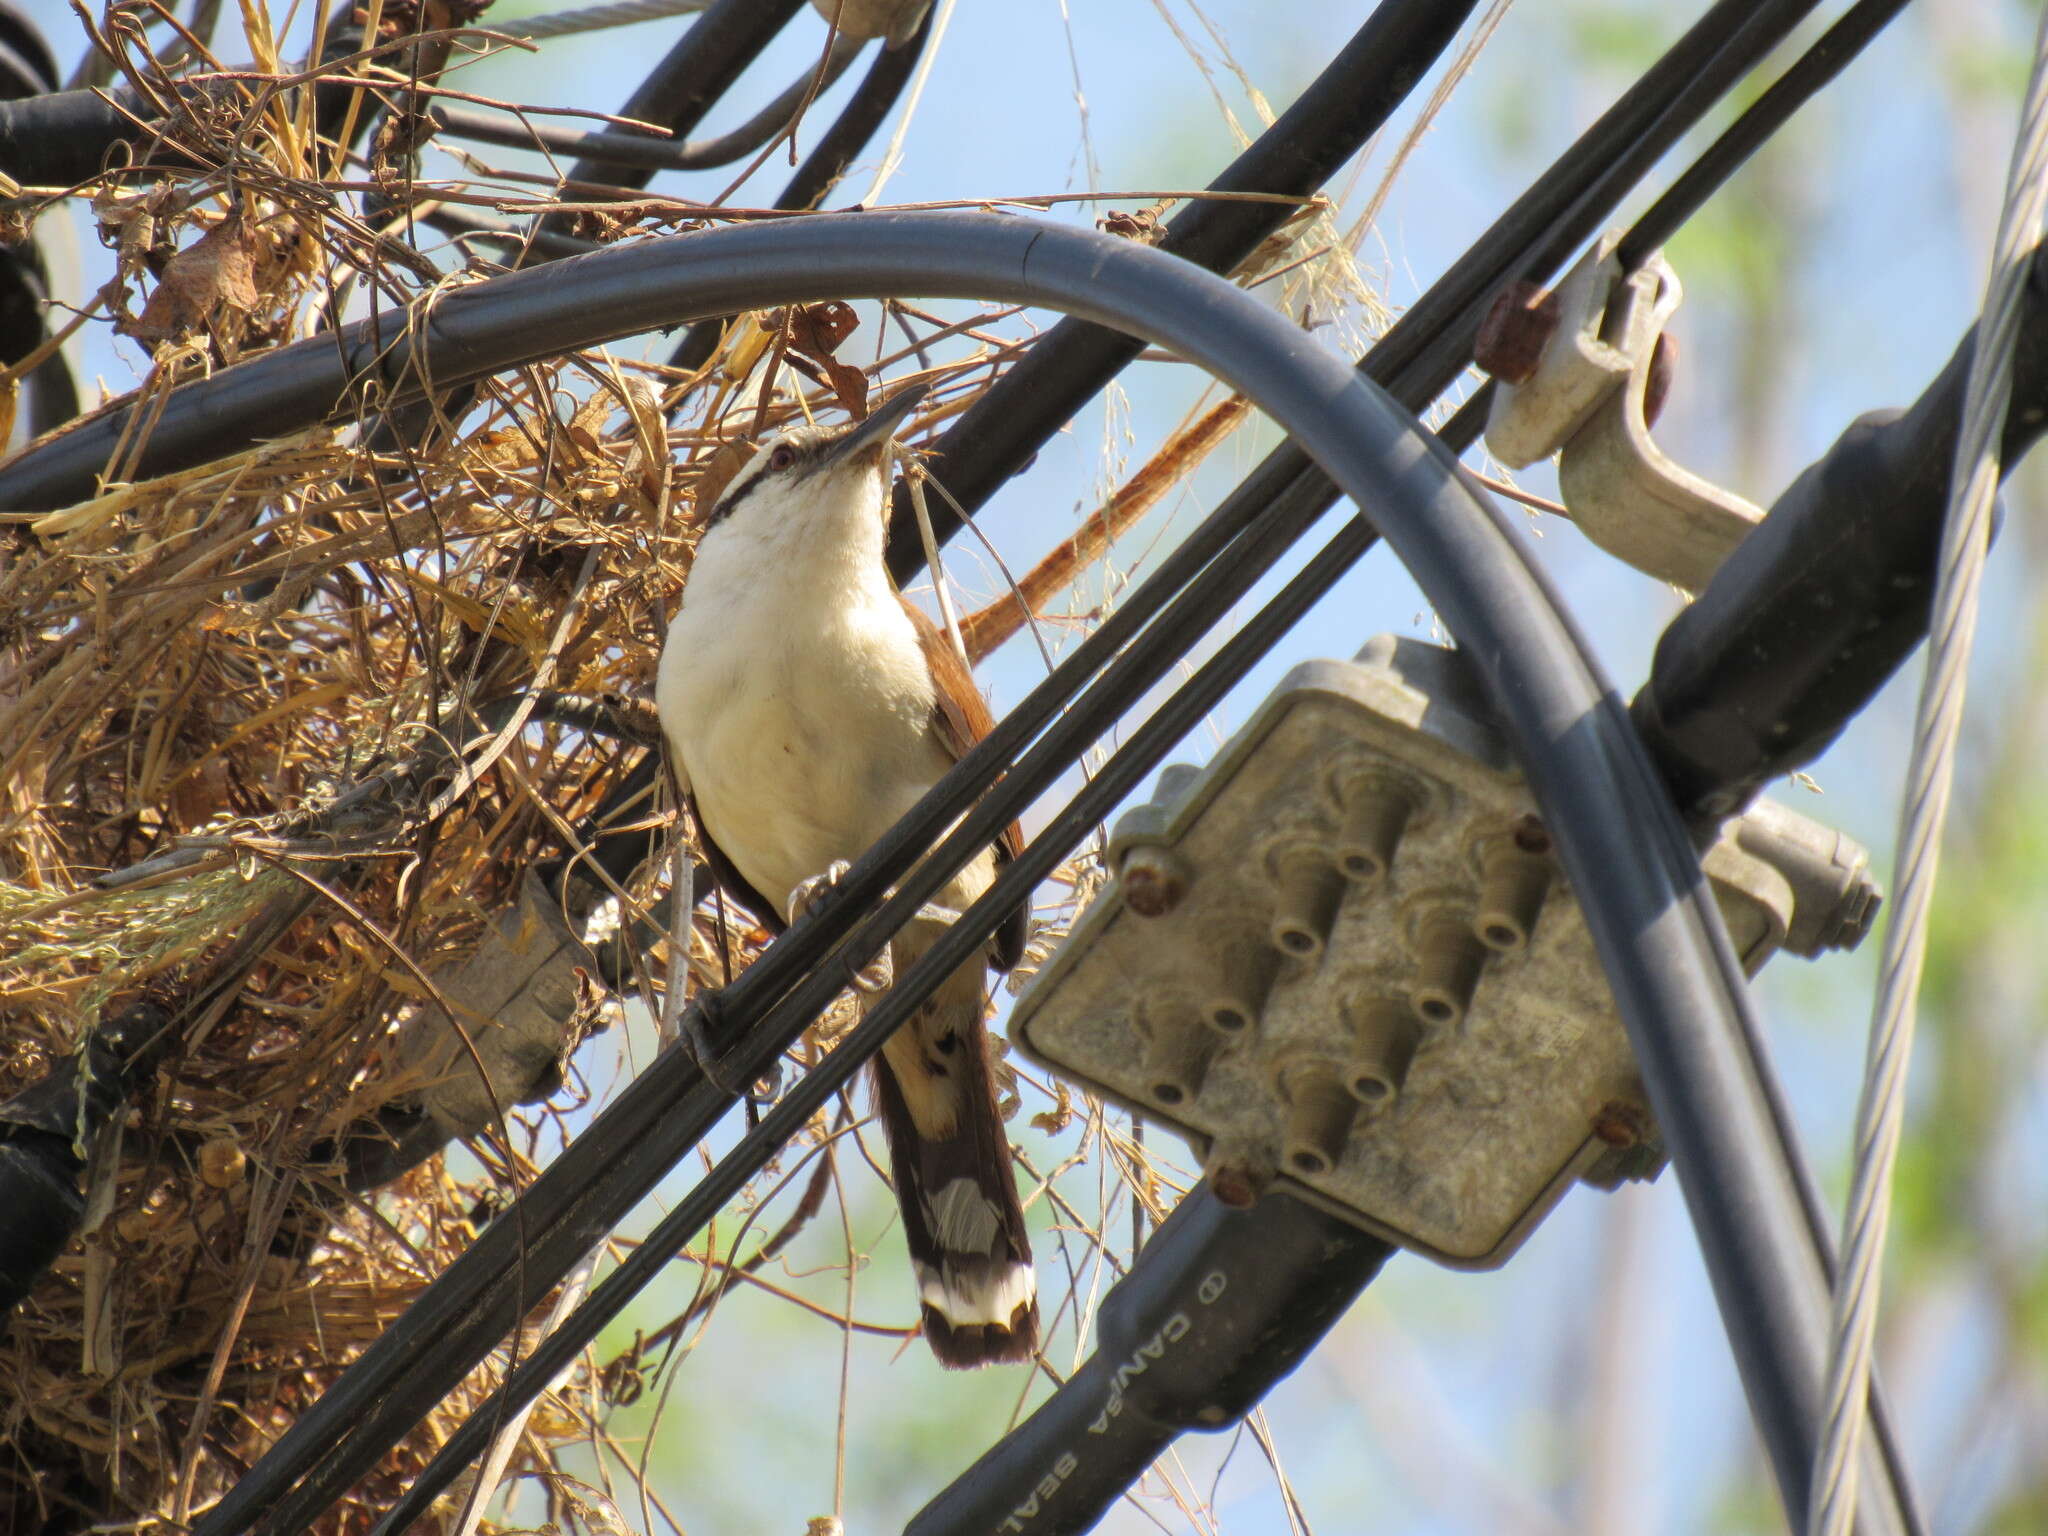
column 202, row 663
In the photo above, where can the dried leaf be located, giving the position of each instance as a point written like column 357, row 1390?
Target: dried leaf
column 1141, row 225
column 816, row 330
column 849, row 384
column 214, row 278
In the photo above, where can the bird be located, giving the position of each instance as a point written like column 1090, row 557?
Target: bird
column 806, row 705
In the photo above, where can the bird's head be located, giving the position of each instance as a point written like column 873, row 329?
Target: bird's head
column 808, row 472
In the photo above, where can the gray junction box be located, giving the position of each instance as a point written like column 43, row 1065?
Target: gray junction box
column 1341, row 959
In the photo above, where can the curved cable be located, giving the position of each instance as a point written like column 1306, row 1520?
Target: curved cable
column 643, row 150
column 596, row 18
column 1937, row 726
column 695, row 73
column 864, row 112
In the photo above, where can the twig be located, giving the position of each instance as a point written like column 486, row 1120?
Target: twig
column 989, row 627
column 914, row 477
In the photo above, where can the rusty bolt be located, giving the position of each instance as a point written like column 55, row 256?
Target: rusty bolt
column 1234, row 1187
column 1515, row 331
column 1153, row 881
column 1238, row 1170
column 1621, row 1124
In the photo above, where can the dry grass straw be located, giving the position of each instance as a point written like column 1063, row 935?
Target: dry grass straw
column 202, row 662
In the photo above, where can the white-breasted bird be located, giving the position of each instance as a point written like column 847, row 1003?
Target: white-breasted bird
column 807, row 706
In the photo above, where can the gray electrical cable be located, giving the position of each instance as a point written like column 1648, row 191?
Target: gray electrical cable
column 595, row 18
column 1966, row 537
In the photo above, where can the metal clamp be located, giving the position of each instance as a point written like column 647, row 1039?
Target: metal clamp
column 1590, row 398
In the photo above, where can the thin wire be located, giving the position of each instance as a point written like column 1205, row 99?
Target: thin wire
column 1938, row 723
column 893, row 156
column 914, row 474
column 497, row 1460
column 595, row 18
column 681, row 928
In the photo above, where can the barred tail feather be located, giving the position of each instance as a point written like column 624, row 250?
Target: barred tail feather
column 950, row 1159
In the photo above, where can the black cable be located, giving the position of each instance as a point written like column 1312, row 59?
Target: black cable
column 1330, row 121
column 1823, row 601
column 468, row 224
column 616, row 148
column 1220, row 1305
column 1425, row 350
column 865, row 111
column 27, row 70
column 48, row 1129
column 691, row 77
column 61, row 138
column 23, row 39
column 1432, row 342
column 1813, row 69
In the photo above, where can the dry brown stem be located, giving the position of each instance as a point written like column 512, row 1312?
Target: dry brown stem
column 987, row 628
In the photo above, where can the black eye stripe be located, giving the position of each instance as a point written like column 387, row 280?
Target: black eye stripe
column 731, row 500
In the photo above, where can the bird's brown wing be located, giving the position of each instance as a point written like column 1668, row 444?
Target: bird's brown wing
column 960, row 718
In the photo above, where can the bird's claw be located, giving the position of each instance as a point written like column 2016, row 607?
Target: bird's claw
column 704, row 1022
column 768, row 1087
column 808, row 893
column 879, row 974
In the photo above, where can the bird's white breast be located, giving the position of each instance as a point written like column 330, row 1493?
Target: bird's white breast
column 797, row 705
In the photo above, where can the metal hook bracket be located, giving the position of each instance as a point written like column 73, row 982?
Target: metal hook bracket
column 1590, row 399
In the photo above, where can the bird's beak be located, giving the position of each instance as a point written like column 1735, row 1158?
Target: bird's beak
column 872, row 436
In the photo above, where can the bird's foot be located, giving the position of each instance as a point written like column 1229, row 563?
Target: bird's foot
column 808, row 893
column 876, row 977
column 704, row 1023
column 768, row 1086
column 879, row 974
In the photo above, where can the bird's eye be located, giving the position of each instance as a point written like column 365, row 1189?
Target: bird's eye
column 782, row 457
